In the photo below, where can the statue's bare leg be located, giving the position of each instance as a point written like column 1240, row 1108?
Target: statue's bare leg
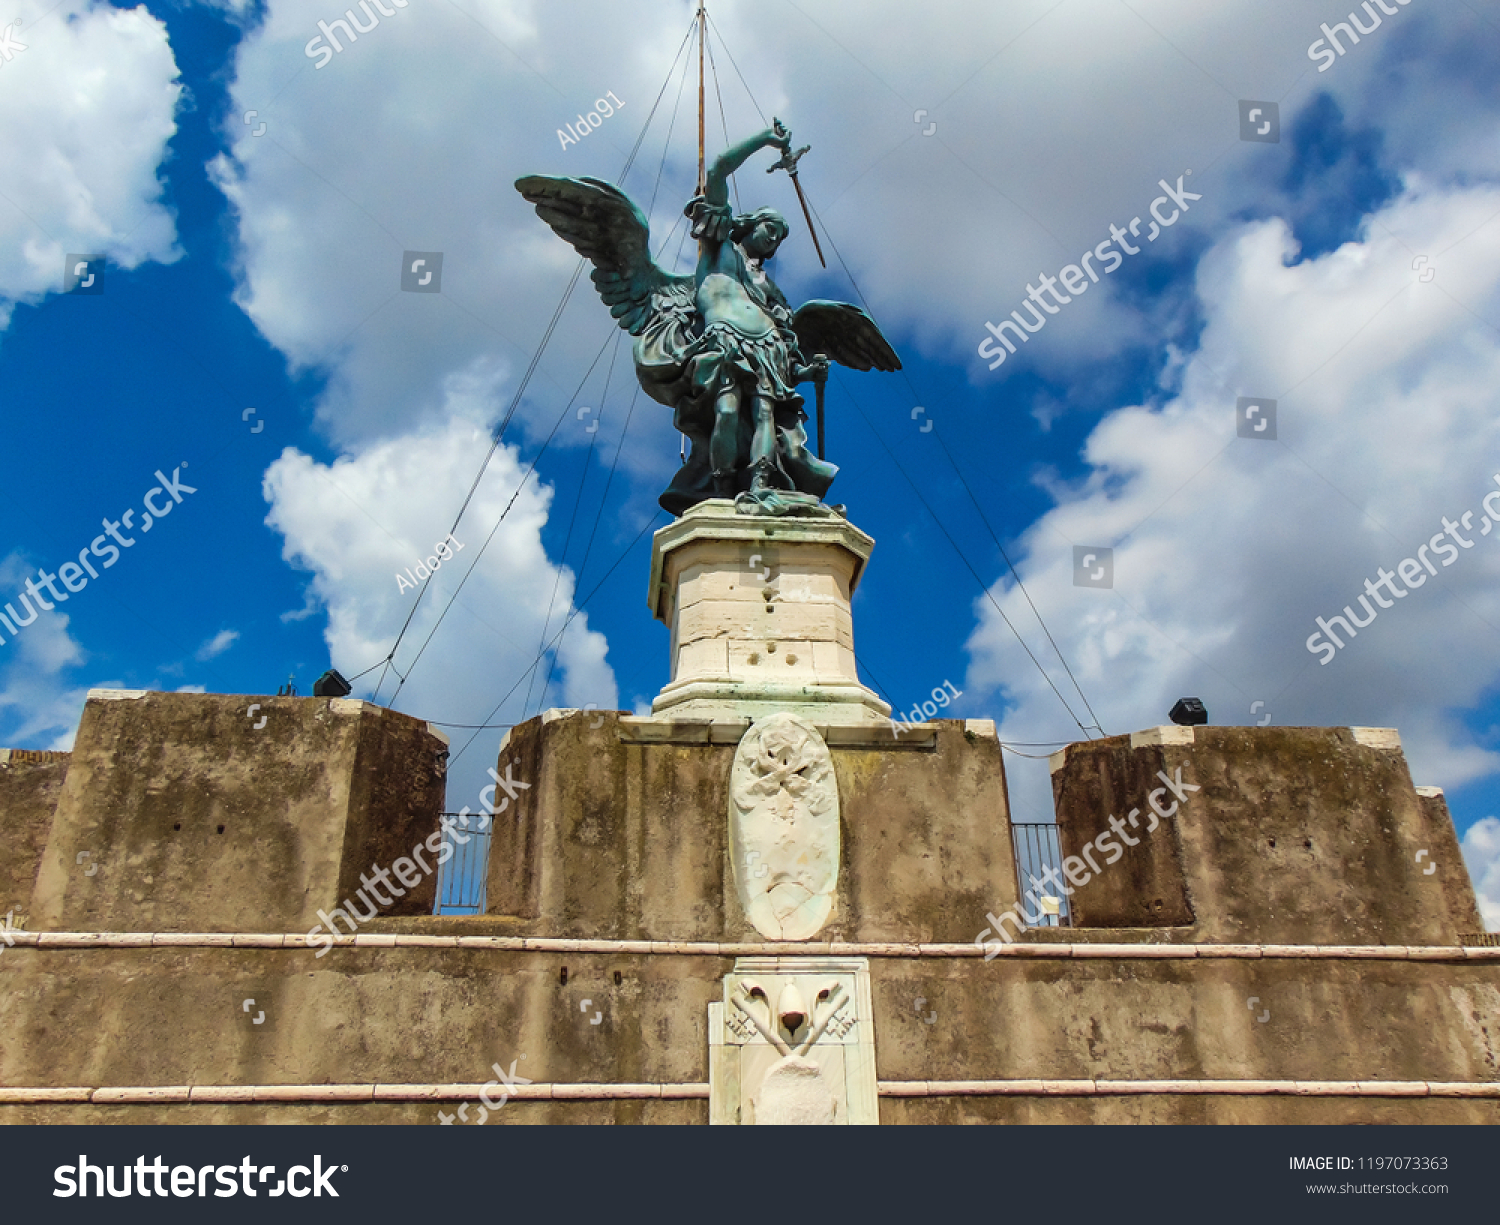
column 724, row 445
column 763, row 445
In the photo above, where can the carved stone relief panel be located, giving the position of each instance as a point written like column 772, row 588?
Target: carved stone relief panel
column 792, row 1043
column 784, row 827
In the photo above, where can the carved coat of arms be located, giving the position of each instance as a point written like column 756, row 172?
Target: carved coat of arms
column 784, row 827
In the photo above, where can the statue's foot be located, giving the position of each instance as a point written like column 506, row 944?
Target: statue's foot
column 782, row 502
column 763, row 478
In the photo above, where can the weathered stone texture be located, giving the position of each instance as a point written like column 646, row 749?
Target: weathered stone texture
column 626, row 839
column 30, row 783
column 1297, row 835
column 128, row 1017
column 759, row 609
column 198, row 820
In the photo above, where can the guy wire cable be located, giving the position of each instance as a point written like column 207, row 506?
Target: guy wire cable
column 577, row 608
column 983, row 585
column 655, row 189
column 499, row 434
column 572, row 522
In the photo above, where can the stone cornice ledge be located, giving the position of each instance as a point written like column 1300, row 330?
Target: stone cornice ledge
column 1246, row 1088
column 140, row 1095
column 709, row 948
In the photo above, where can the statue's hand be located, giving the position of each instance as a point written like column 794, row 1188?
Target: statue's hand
column 816, row 369
column 781, row 136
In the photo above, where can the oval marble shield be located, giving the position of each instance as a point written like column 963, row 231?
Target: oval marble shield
column 784, row 827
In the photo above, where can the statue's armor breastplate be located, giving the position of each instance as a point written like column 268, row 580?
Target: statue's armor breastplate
column 722, row 299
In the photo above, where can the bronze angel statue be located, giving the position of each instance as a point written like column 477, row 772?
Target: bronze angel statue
column 721, row 347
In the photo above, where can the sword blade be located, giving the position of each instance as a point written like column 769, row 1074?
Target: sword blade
column 802, row 200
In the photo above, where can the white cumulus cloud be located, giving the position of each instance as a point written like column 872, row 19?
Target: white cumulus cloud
column 216, row 645
column 1481, row 847
column 1227, row 549
column 89, row 102
column 364, row 523
column 36, row 698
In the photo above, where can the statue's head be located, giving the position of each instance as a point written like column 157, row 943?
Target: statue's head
column 760, row 232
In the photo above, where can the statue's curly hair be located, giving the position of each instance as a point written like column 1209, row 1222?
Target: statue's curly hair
column 746, row 222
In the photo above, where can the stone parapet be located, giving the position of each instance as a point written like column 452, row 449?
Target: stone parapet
column 625, row 836
column 30, row 783
column 1292, row 835
column 192, row 812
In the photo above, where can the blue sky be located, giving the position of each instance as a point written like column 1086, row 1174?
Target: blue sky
column 1350, row 271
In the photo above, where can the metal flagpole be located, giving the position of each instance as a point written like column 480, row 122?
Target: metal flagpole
column 702, row 165
column 702, row 161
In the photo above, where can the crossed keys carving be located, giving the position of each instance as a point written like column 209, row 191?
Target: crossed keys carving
column 831, row 997
column 787, row 770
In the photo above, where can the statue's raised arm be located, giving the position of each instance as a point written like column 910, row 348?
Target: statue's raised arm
column 712, row 218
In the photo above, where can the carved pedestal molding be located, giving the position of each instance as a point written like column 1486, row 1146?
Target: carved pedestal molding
column 784, row 828
column 759, row 613
column 793, row 1042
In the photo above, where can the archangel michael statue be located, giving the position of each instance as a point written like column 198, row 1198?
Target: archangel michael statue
column 721, row 347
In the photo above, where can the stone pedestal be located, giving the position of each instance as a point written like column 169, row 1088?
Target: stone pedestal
column 759, row 613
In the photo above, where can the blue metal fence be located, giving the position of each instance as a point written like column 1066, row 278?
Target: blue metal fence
column 1037, row 848
column 463, row 879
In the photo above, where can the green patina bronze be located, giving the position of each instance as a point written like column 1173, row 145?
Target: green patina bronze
column 722, row 347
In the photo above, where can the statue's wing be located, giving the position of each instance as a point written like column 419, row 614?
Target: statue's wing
column 845, row 333
column 602, row 224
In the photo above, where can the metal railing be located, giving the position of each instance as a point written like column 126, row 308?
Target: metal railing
column 462, row 881
column 1037, row 848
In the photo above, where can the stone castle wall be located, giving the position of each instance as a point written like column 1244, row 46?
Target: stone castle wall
column 30, row 782
column 1295, row 835
column 1328, row 983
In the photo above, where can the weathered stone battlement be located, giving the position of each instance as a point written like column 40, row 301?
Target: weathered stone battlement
column 1276, row 981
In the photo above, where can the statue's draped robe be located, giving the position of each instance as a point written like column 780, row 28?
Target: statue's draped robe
column 686, row 369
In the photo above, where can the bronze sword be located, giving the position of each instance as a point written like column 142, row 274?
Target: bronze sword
column 788, row 163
